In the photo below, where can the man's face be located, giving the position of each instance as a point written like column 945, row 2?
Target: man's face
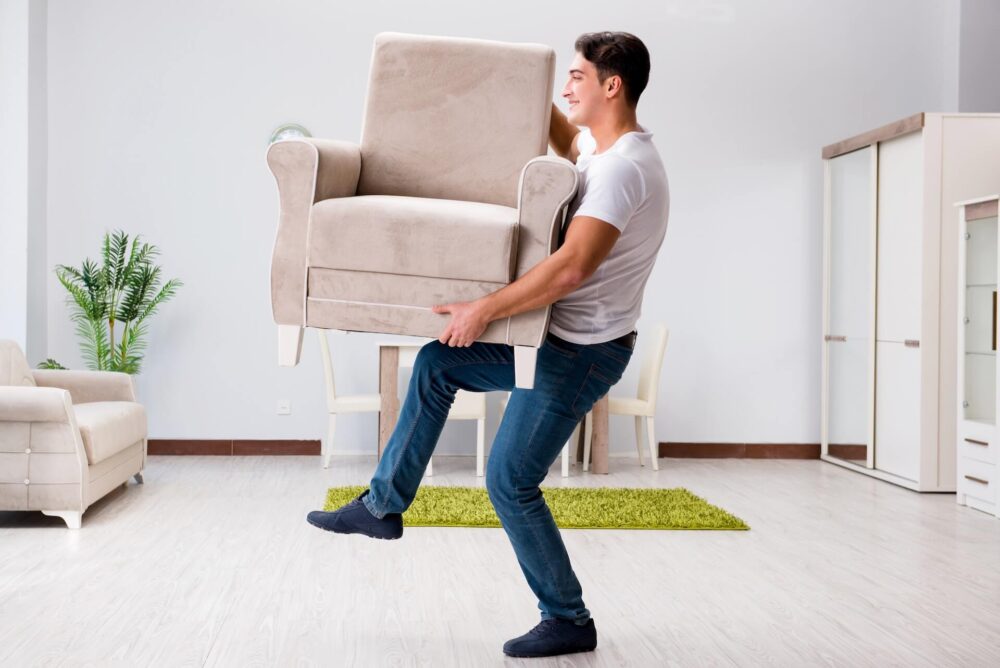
column 582, row 91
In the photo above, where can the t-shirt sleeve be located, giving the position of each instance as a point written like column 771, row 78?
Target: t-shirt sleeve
column 614, row 191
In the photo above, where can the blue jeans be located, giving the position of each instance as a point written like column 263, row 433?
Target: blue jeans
column 569, row 379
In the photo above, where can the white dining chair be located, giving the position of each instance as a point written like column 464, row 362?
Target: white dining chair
column 467, row 406
column 643, row 406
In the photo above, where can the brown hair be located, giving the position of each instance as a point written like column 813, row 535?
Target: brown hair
column 618, row 53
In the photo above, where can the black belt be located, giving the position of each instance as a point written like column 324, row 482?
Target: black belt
column 627, row 340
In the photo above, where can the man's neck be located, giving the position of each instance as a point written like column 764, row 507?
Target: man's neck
column 607, row 133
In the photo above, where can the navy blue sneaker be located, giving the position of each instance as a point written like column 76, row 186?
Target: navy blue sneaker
column 356, row 518
column 553, row 637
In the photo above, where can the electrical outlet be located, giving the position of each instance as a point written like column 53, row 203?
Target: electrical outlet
column 284, row 406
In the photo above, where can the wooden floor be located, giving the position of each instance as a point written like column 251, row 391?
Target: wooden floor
column 211, row 563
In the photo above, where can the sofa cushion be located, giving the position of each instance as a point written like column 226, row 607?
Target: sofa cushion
column 14, row 369
column 414, row 236
column 108, row 427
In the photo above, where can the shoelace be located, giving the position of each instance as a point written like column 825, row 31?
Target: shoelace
column 544, row 627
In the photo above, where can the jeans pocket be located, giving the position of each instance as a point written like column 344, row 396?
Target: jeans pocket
column 596, row 384
column 562, row 348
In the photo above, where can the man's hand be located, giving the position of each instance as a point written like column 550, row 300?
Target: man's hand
column 468, row 322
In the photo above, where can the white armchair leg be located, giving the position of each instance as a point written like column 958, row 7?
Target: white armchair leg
column 524, row 366
column 638, row 437
column 587, row 427
column 430, row 468
column 327, row 446
column 289, row 344
column 480, row 446
column 567, row 450
column 71, row 517
column 653, row 448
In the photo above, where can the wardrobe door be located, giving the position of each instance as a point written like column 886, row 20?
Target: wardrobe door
column 849, row 301
column 899, row 296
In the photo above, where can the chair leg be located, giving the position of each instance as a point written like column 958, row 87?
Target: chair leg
column 480, row 446
column 638, row 437
column 72, row 518
column 653, row 448
column 327, row 447
column 567, row 449
column 524, row 366
column 289, row 344
column 587, row 433
column 430, row 468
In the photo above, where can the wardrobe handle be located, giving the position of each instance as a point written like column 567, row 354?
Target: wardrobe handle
column 972, row 440
column 974, row 479
column 831, row 337
column 911, row 343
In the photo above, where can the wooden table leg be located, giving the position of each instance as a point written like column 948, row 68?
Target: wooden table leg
column 388, row 380
column 599, row 448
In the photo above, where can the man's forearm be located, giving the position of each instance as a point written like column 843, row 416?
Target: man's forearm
column 547, row 282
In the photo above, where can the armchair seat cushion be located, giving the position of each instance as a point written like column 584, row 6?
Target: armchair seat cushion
column 108, row 427
column 415, row 236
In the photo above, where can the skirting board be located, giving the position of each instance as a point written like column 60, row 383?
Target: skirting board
column 238, row 447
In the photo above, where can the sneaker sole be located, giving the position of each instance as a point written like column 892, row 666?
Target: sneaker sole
column 347, row 533
column 540, row 655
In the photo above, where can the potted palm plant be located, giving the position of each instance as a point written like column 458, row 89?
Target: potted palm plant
column 123, row 292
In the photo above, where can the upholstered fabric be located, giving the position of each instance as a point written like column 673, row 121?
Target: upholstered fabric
column 59, row 457
column 454, row 118
column 87, row 386
column 109, row 426
column 14, row 369
column 448, row 197
column 414, row 236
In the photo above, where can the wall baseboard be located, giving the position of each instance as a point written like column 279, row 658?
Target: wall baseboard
column 741, row 450
column 245, row 447
column 231, row 447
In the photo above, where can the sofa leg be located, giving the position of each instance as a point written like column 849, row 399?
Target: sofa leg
column 289, row 344
column 71, row 517
column 138, row 477
column 524, row 366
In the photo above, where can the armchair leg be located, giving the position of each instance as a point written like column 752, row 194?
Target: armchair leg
column 524, row 366
column 289, row 344
column 638, row 437
column 71, row 517
column 326, row 447
column 653, row 446
column 480, row 446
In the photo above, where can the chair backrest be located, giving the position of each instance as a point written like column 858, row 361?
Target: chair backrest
column 14, row 368
column 454, row 118
column 652, row 362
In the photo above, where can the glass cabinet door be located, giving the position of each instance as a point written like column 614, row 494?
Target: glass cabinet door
column 980, row 318
column 849, row 296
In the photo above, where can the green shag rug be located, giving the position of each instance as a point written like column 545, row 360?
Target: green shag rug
column 572, row 508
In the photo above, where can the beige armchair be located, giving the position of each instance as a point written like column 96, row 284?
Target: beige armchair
column 449, row 196
column 67, row 438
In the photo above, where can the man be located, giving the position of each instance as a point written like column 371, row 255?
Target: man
column 595, row 283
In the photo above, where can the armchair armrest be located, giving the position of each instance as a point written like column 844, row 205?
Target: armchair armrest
column 20, row 403
column 307, row 170
column 87, row 386
column 546, row 187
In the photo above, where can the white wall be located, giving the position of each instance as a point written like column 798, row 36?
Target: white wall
column 979, row 89
column 160, row 113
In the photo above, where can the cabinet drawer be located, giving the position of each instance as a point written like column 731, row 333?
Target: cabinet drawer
column 977, row 441
column 977, row 479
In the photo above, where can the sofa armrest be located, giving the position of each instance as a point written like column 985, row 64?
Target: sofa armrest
column 87, row 386
column 547, row 186
column 21, row 403
column 307, row 170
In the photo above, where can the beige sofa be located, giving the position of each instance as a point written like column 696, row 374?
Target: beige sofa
column 448, row 197
column 67, row 438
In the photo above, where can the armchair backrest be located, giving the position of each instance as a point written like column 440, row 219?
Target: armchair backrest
column 454, row 118
column 14, row 369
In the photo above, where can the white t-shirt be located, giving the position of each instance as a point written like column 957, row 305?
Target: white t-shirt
column 625, row 186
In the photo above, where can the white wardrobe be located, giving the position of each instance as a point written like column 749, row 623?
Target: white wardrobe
column 890, row 283
column 979, row 274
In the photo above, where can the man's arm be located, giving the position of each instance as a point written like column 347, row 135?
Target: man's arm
column 588, row 241
column 563, row 136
